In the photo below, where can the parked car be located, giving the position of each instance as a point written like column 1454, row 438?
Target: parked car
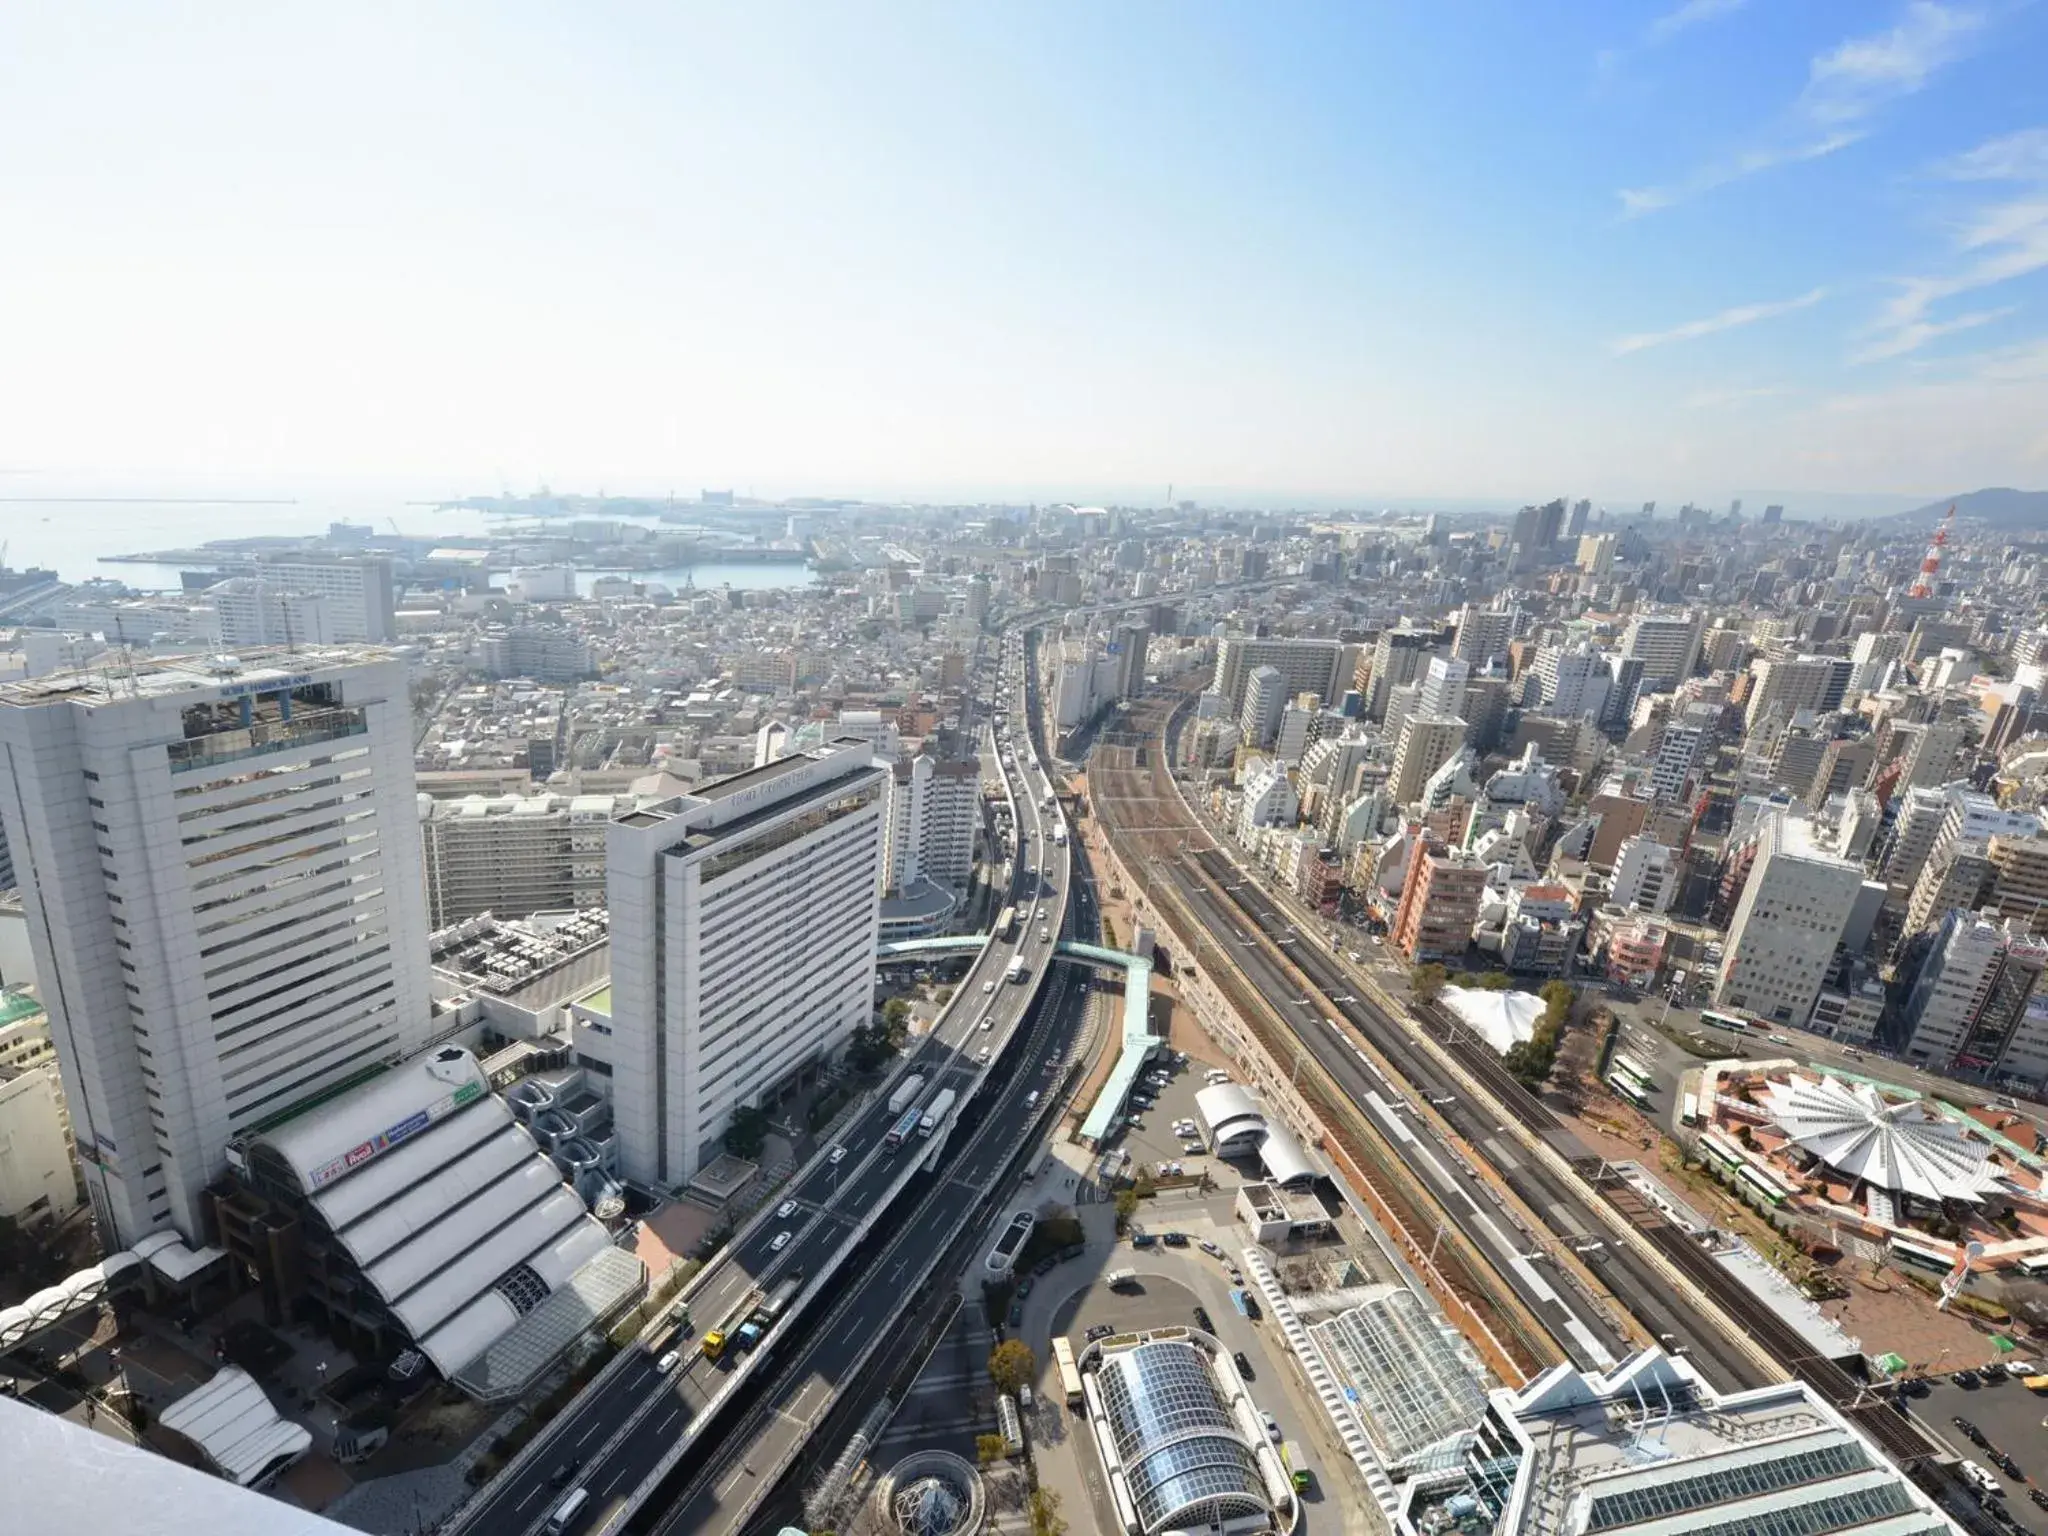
column 1244, row 1366
column 1970, row 1430
column 1174, row 1239
column 1211, row 1249
column 1966, row 1380
column 1202, row 1320
column 1099, row 1331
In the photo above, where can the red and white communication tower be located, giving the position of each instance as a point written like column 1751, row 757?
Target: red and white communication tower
column 1924, row 587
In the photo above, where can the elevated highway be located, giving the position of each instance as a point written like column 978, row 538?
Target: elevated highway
column 625, row 1434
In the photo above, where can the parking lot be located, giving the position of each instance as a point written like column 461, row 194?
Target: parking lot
column 1151, row 1139
column 2010, row 1417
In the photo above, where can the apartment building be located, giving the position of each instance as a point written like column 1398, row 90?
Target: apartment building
column 224, row 898
column 1794, row 908
column 1439, row 904
column 1425, row 744
column 1667, row 644
column 1682, row 751
column 1785, row 685
column 744, row 922
column 934, row 813
column 514, row 855
column 1306, row 666
column 1647, row 876
column 254, row 612
column 356, row 593
column 1969, row 1007
column 544, row 652
column 1482, row 634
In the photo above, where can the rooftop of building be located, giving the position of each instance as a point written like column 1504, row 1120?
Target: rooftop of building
column 148, row 677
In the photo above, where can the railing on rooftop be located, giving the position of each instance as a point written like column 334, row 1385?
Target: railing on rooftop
column 266, row 736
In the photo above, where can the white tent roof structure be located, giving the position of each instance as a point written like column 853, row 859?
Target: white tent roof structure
column 235, row 1425
column 1906, row 1147
column 1501, row 1019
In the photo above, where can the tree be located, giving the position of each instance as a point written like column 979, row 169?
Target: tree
column 943, row 995
column 1427, row 982
column 1011, row 1365
column 747, row 1135
column 989, row 1448
column 896, row 1022
column 1045, row 1513
column 1126, row 1207
column 1495, row 981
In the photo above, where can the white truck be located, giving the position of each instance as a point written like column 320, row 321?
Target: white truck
column 906, row 1091
column 935, row 1112
column 1017, row 968
column 1120, row 1279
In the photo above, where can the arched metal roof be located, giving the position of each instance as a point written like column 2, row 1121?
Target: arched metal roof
column 1186, row 1460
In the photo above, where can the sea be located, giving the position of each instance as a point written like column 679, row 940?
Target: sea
column 75, row 536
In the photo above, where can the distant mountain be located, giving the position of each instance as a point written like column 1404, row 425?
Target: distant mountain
column 2000, row 507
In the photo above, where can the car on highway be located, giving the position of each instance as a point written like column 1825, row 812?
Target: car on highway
column 1244, row 1366
column 667, row 1362
column 838, row 1155
column 1031, row 1098
column 568, row 1469
column 982, row 1054
column 988, row 987
column 781, row 1242
column 785, row 1210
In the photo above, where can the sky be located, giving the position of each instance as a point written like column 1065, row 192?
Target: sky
column 1376, row 251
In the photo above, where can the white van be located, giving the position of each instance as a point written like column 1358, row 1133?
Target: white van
column 1216, row 1076
column 566, row 1511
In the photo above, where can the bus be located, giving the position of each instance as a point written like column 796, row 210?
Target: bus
column 1006, row 924
column 903, row 1129
column 1070, row 1374
column 1628, row 1090
column 1689, row 1110
column 1296, row 1465
column 1728, row 1021
column 1629, row 1067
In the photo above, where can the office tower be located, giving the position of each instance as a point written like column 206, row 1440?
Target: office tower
column 1796, row 757
column 1624, row 687
column 356, row 591
column 1443, row 687
column 744, row 922
column 1595, row 555
column 1794, row 909
column 1649, row 510
column 934, row 809
column 1133, row 638
column 1486, row 711
column 1426, row 743
column 1574, row 679
column 1682, row 751
column 1306, row 666
column 1482, row 635
column 980, row 597
column 1785, row 685
column 1398, row 657
column 1668, row 645
column 1844, row 765
column 1773, row 513
column 514, row 855
column 1647, row 875
column 1296, row 729
column 2020, row 879
column 1723, row 650
column 1576, row 524
column 225, row 904
column 1439, row 904
column 1265, row 696
column 1956, row 874
column 1931, row 753
column 1970, row 996
column 252, row 613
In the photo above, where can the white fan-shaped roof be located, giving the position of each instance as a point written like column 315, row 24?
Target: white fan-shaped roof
column 1904, row 1147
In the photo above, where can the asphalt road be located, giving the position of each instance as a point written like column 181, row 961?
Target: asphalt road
column 804, row 1384
column 613, row 1436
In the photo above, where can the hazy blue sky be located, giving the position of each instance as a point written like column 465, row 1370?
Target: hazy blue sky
column 1498, row 248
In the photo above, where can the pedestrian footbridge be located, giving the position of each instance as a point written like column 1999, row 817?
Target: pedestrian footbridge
column 1138, row 1044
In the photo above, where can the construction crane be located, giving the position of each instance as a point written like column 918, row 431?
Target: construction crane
column 1924, row 587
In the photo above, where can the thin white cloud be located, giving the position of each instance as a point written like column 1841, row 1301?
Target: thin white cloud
column 1688, row 16
column 1845, row 88
column 2003, row 239
column 1855, row 79
column 1915, row 334
column 2021, row 156
column 1726, row 320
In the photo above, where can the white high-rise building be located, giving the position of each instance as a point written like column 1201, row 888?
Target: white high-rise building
column 1426, row 743
column 222, row 880
column 1793, row 912
column 1443, row 687
column 1483, row 634
column 934, row 808
column 744, row 918
column 1667, row 644
column 359, row 601
column 1646, row 877
column 1265, row 696
column 1575, row 679
column 252, row 613
column 514, row 855
column 1681, row 750
column 1319, row 667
